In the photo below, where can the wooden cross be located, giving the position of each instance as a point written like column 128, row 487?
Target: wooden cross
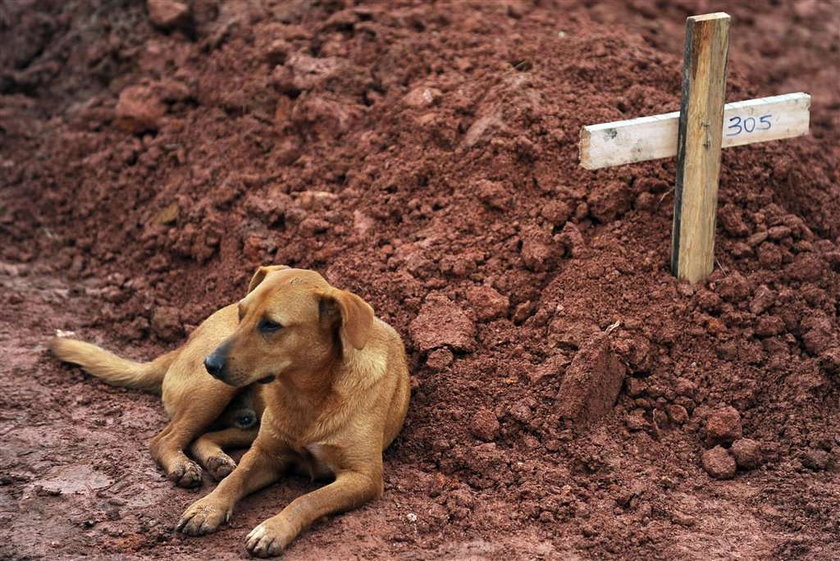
column 696, row 134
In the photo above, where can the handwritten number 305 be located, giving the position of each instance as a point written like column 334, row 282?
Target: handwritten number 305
column 748, row 125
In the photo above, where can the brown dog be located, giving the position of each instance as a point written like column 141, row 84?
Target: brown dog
column 334, row 393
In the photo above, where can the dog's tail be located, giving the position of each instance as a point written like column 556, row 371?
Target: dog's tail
column 111, row 368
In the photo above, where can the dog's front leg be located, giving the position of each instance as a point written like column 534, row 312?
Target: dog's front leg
column 257, row 469
column 350, row 489
column 209, row 449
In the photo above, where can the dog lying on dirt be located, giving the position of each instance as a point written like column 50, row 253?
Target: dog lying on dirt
column 328, row 379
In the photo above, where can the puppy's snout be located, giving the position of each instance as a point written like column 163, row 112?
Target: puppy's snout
column 215, row 363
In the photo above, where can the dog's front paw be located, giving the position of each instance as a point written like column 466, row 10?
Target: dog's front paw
column 203, row 517
column 270, row 538
column 186, row 474
column 220, row 466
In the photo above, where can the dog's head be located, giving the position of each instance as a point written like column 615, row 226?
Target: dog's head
column 292, row 320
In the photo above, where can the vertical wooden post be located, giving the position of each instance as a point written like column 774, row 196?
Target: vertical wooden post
column 699, row 146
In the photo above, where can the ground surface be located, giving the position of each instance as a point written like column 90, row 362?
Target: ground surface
column 424, row 156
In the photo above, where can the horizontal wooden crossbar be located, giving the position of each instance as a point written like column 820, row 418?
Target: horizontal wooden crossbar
column 651, row 138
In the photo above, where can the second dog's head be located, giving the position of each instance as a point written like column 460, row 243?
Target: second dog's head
column 291, row 320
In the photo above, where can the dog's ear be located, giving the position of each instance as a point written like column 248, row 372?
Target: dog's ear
column 354, row 314
column 261, row 273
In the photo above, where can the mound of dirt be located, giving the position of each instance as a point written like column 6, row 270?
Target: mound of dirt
column 571, row 399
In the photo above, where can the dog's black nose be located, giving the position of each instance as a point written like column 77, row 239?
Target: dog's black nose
column 215, row 364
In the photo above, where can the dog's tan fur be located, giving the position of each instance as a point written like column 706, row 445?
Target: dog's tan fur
column 336, row 395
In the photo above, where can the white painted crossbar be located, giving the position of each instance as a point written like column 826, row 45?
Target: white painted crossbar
column 650, row 138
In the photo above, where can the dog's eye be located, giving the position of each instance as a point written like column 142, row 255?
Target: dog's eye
column 268, row 326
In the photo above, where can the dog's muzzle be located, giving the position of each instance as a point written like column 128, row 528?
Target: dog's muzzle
column 215, row 363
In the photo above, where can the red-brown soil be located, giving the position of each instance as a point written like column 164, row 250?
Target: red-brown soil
column 424, row 155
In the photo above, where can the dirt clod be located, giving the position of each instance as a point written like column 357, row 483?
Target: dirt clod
column 830, row 361
column 719, row 463
column 734, row 288
column 636, row 420
column 168, row 14
column 412, row 151
column 678, row 414
column 493, row 194
column 139, row 109
column 556, row 212
column 747, row 453
column 166, row 323
column 539, row 251
column 592, row 382
column 487, row 303
column 816, row 459
column 441, row 323
column 439, row 359
column 484, row 425
column 608, row 201
column 422, row 97
column 723, row 426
